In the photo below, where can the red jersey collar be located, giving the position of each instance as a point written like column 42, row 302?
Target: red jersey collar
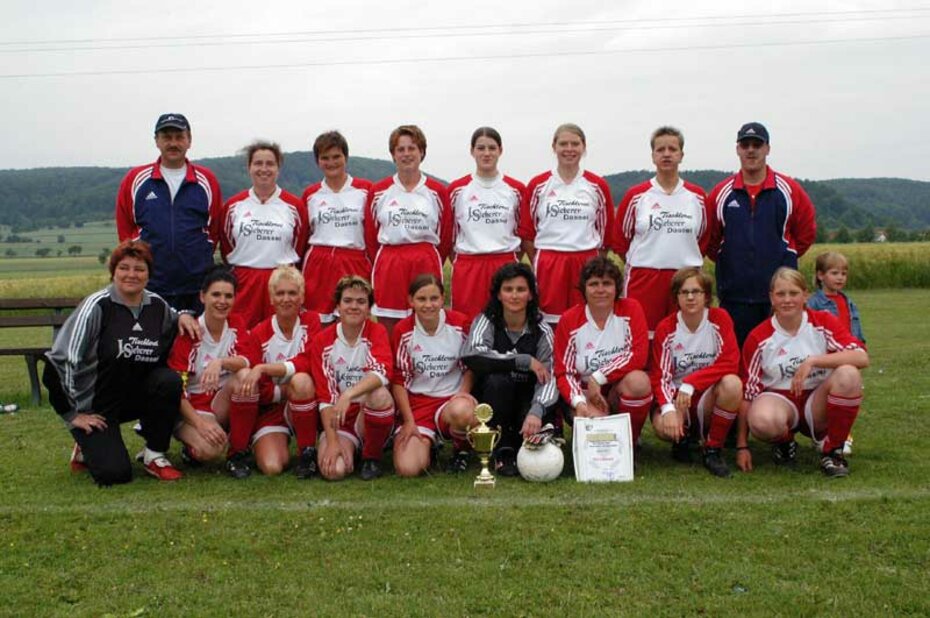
column 768, row 183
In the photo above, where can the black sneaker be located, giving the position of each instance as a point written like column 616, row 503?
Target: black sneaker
column 834, row 465
column 459, row 462
column 188, row 459
column 785, row 453
column 681, row 450
column 505, row 462
column 305, row 468
column 237, row 465
column 371, row 469
column 713, row 461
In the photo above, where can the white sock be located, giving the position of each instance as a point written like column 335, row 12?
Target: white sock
column 148, row 455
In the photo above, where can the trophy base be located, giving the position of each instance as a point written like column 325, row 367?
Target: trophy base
column 485, row 483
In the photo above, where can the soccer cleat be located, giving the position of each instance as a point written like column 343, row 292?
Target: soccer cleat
column 505, row 462
column 785, row 453
column 713, row 461
column 834, row 465
column 162, row 469
column 237, row 465
column 9, row 408
column 138, row 429
column 459, row 462
column 305, row 468
column 77, row 460
column 371, row 470
column 847, row 446
column 681, row 450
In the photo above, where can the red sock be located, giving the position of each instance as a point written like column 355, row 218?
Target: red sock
column 460, row 440
column 304, row 421
column 638, row 409
column 720, row 422
column 378, row 425
column 841, row 414
column 243, row 411
column 788, row 436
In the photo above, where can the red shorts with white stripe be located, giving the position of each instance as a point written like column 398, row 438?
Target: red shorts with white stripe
column 557, row 274
column 323, row 268
column 651, row 287
column 252, row 300
column 271, row 419
column 351, row 426
column 395, row 267
column 800, row 406
column 427, row 414
column 471, row 279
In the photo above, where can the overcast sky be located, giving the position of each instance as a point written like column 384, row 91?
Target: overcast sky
column 842, row 86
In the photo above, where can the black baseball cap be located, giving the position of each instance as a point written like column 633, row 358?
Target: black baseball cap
column 172, row 121
column 753, row 130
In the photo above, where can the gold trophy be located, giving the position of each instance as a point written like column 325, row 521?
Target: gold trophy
column 483, row 439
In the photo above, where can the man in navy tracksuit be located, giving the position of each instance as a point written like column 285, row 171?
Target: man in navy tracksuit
column 173, row 205
column 763, row 220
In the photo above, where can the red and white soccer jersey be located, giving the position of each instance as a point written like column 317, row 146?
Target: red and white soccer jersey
column 336, row 365
column 660, row 230
column 485, row 214
column 190, row 358
column 278, row 348
column 692, row 361
column 771, row 355
column 430, row 364
column 395, row 216
column 337, row 218
column 573, row 216
column 263, row 235
column 583, row 350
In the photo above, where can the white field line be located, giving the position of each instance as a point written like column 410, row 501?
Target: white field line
column 500, row 500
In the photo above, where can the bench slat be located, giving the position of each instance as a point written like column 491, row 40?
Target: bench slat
column 14, row 321
column 39, row 303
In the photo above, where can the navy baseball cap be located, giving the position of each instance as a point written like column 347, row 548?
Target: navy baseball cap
column 753, row 130
column 172, row 121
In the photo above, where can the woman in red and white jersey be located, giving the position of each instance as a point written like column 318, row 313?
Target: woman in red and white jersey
column 485, row 209
column 566, row 219
column 408, row 226
column 262, row 228
column 351, row 365
column 211, row 369
column 662, row 225
column 336, row 212
column 802, row 373
column 695, row 362
column 287, row 399
column 601, row 346
column 431, row 386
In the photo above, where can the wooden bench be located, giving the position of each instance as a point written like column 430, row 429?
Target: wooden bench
column 41, row 312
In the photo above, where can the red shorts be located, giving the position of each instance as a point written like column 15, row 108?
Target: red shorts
column 323, row 268
column 427, row 414
column 395, row 267
column 651, row 287
column 800, row 405
column 557, row 274
column 471, row 279
column 271, row 419
column 252, row 300
column 351, row 426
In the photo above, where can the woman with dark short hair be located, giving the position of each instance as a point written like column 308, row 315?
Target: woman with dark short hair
column 107, row 367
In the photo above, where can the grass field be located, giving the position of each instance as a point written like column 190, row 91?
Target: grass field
column 674, row 542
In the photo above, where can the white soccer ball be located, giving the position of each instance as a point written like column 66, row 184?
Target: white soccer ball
column 540, row 464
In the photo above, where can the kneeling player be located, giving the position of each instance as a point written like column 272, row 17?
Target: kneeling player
column 350, row 362
column 802, row 374
column 695, row 360
column 430, row 385
column 212, row 369
column 287, row 400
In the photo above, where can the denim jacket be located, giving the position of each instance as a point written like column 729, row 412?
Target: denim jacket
column 819, row 301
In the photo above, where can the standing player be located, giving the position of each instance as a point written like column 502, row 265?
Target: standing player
column 211, row 369
column 485, row 208
column 350, row 363
column 565, row 220
column 431, row 385
column 802, row 374
column 336, row 211
column 408, row 226
column 262, row 228
column 286, row 398
column 174, row 206
column 662, row 225
column 601, row 347
column 763, row 220
column 695, row 360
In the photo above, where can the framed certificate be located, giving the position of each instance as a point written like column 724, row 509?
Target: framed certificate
column 603, row 448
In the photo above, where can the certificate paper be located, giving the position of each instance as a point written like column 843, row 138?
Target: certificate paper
column 603, row 448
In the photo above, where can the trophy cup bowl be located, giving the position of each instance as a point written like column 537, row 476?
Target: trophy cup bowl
column 483, row 439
